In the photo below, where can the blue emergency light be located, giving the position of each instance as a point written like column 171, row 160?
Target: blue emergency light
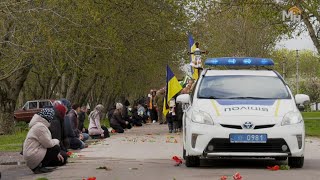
column 239, row 61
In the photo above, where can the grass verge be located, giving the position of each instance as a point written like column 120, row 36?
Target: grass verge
column 13, row 142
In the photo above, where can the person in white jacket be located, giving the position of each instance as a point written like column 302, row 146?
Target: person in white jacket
column 39, row 149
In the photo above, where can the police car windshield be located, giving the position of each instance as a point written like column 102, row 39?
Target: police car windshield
column 242, row 87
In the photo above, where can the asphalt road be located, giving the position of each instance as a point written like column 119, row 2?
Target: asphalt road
column 146, row 152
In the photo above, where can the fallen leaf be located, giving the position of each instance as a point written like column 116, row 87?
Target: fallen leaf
column 133, row 168
column 285, row 167
column 104, row 167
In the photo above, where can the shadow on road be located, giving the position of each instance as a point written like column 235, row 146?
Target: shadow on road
column 240, row 163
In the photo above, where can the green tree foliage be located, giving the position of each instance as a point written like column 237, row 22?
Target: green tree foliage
column 309, row 71
column 241, row 28
column 97, row 51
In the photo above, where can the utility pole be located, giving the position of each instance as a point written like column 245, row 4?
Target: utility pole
column 284, row 67
column 297, row 72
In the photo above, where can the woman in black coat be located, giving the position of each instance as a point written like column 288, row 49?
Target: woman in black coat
column 117, row 122
column 57, row 126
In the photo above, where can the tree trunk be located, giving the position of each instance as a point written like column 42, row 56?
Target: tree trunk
column 89, row 88
column 9, row 93
column 73, row 87
column 102, row 92
column 53, row 87
column 21, row 99
column 310, row 28
column 6, row 121
column 63, row 86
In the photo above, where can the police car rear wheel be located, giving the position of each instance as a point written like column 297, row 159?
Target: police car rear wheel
column 192, row 161
column 296, row 162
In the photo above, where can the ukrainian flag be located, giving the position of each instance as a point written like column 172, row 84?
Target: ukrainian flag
column 192, row 48
column 173, row 88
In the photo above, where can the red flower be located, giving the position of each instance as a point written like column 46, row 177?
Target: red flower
column 177, row 160
column 237, row 176
column 274, row 168
column 69, row 153
column 223, row 178
column 91, row 178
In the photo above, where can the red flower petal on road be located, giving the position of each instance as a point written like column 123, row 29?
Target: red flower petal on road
column 274, row 168
column 177, row 160
column 237, row 176
column 223, row 178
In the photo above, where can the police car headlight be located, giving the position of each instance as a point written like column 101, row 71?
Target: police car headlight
column 292, row 118
column 201, row 117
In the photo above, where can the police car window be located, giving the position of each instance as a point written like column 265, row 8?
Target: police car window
column 242, row 87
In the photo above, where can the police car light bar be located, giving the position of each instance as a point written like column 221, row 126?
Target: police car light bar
column 239, row 61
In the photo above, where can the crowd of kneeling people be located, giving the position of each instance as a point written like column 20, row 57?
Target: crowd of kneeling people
column 56, row 129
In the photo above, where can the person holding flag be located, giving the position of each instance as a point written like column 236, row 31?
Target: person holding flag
column 173, row 88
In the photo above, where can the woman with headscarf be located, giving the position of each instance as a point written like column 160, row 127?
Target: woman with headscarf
column 117, row 122
column 57, row 125
column 39, row 149
column 95, row 129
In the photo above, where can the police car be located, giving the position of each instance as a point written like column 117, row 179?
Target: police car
column 245, row 112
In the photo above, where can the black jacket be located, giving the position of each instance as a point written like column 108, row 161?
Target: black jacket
column 74, row 122
column 81, row 118
column 68, row 130
column 57, row 131
column 117, row 119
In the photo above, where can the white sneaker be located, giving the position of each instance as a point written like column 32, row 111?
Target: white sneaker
column 154, row 121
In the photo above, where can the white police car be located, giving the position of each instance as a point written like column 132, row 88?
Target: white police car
column 242, row 113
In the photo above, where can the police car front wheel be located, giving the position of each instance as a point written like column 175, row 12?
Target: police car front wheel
column 296, row 162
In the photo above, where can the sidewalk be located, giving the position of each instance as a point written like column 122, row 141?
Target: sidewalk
column 149, row 146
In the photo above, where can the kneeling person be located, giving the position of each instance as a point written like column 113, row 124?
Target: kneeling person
column 39, row 149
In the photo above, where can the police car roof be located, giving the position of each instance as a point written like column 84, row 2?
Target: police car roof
column 240, row 73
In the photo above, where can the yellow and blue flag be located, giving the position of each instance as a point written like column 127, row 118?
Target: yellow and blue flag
column 173, row 88
column 192, row 48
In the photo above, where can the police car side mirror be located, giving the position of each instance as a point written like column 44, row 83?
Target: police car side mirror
column 300, row 107
column 302, row 99
column 183, row 99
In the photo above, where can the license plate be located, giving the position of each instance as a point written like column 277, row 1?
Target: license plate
column 248, row 138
